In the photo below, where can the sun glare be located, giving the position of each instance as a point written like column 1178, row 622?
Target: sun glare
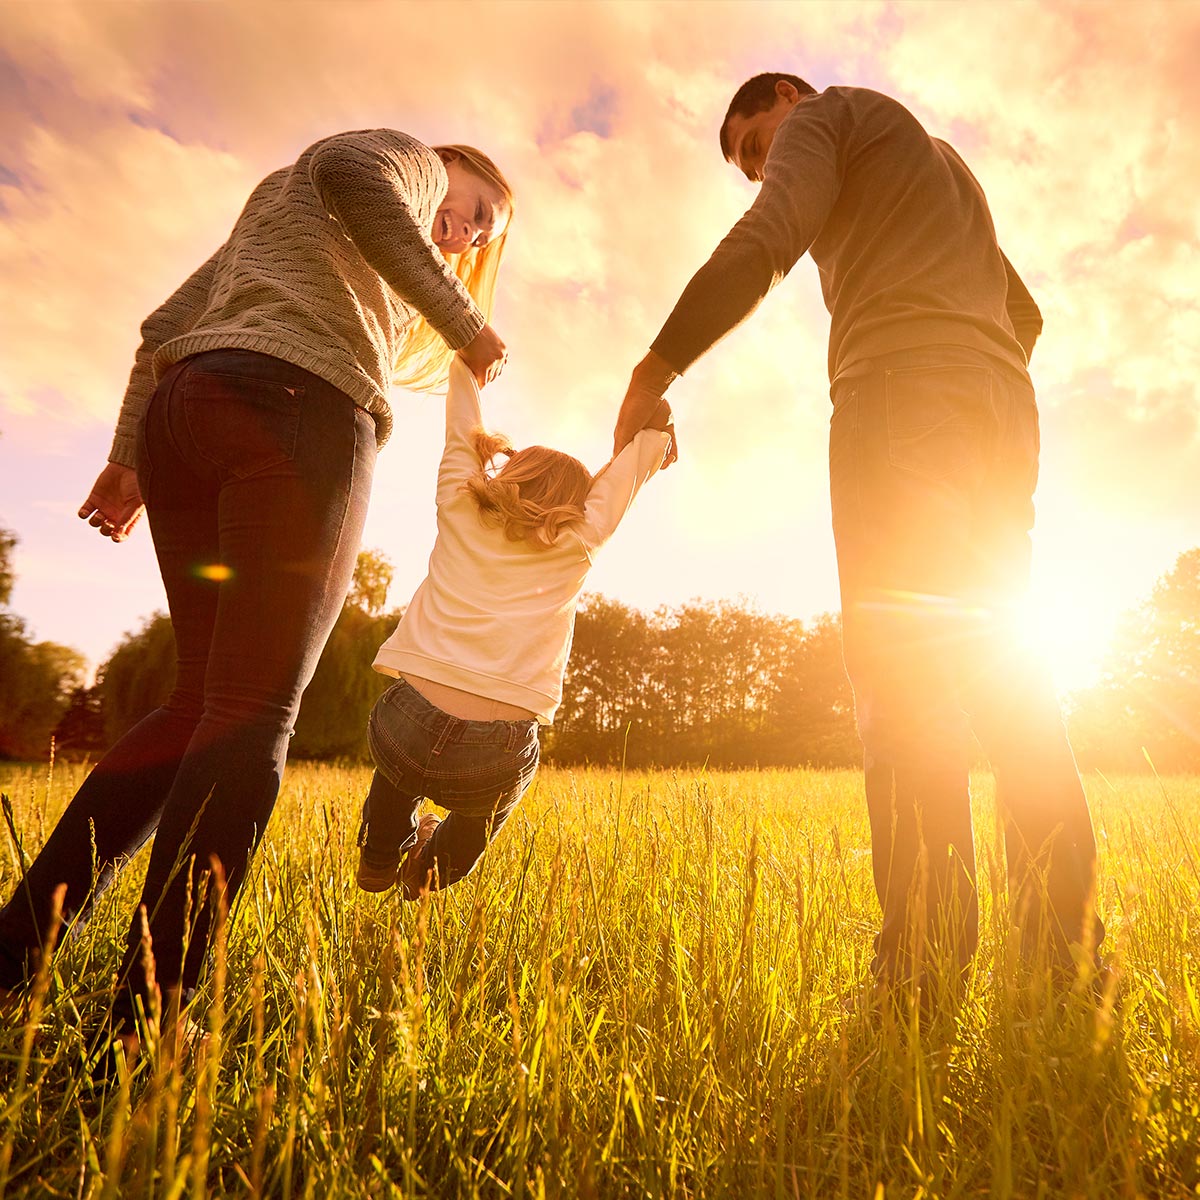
column 1070, row 636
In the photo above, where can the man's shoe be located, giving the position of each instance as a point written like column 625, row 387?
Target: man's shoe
column 416, row 873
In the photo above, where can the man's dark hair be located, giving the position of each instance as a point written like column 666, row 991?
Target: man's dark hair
column 757, row 95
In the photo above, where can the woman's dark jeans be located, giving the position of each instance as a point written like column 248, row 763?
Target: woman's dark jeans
column 477, row 769
column 256, row 476
column 933, row 458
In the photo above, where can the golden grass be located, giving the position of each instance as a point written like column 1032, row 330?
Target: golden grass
column 638, row 993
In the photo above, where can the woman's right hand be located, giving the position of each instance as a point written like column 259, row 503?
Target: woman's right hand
column 114, row 505
column 485, row 354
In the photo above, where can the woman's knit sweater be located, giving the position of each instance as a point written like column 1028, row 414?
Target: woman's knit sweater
column 328, row 265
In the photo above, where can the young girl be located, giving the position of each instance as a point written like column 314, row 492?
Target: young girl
column 480, row 652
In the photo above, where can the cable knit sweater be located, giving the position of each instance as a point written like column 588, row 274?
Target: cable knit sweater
column 329, row 263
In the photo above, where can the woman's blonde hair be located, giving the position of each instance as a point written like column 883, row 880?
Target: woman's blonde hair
column 535, row 493
column 423, row 358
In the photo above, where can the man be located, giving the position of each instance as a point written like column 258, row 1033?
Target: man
column 933, row 461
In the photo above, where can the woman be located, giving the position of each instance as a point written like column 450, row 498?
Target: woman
column 253, row 456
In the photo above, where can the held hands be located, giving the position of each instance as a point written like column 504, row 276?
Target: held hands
column 644, row 405
column 114, row 505
column 662, row 420
column 485, row 354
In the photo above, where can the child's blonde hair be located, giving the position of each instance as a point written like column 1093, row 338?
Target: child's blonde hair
column 423, row 359
column 535, row 493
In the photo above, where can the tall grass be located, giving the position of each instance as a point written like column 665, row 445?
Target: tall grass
column 640, row 992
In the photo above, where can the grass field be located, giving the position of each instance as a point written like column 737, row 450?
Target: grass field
column 639, row 993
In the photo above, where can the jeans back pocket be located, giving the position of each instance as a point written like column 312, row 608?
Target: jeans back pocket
column 241, row 424
column 938, row 420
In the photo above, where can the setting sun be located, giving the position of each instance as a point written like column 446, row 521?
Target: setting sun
column 1072, row 638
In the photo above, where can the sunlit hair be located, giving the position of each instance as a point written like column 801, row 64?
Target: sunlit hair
column 535, row 493
column 423, row 359
column 756, row 95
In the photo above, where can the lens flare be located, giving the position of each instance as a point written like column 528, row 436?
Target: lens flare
column 1070, row 634
column 216, row 572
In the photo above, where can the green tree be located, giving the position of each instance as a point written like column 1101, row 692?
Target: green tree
column 605, row 687
column 36, row 681
column 813, row 713
column 373, row 573
column 332, row 722
column 716, row 682
column 8, row 543
column 36, row 678
column 138, row 676
column 723, row 666
column 80, row 730
column 1148, row 698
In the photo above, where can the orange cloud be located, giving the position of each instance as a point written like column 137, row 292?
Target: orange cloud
column 133, row 132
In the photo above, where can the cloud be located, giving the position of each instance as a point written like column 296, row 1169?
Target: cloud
column 1076, row 128
column 131, row 133
column 99, row 232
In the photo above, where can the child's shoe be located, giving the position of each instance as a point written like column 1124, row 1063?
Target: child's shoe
column 415, row 873
column 375, row 879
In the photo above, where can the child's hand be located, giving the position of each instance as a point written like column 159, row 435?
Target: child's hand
column 663, row 420
column 661, row 417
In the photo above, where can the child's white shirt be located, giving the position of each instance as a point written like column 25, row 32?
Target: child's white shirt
column 496, row 617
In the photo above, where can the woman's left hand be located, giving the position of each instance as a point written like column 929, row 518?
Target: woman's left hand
column 114, row 505
column 485, row 354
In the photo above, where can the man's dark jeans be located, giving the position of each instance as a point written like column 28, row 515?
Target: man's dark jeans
column 477, row 769
column 933, row 457
column 256, row 477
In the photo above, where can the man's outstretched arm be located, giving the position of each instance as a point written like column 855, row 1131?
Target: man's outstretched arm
column 798, row 190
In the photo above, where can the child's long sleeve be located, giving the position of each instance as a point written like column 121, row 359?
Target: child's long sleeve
column 463, row 418
column 616, row 485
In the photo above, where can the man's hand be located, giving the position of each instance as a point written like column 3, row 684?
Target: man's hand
column 651, row 377
column 485, row 354
column 114, row 505
column 664, row 422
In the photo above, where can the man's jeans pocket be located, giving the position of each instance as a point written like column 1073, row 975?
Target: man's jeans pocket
column 241, row 424
column 939, row 420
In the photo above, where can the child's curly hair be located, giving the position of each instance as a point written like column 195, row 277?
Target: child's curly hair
column 535, row 493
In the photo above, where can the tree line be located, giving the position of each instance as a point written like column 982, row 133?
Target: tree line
column 38, row 680
column 716, row 682
column 1145, row 709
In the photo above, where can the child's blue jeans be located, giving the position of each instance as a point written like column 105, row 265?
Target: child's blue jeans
column 478, row 770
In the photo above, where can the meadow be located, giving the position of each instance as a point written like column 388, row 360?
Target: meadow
column 652, row 987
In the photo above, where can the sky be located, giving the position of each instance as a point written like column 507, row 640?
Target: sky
column 131, row 133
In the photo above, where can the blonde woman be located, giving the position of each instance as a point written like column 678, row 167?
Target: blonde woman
column 480, row 652
column 249, row 429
